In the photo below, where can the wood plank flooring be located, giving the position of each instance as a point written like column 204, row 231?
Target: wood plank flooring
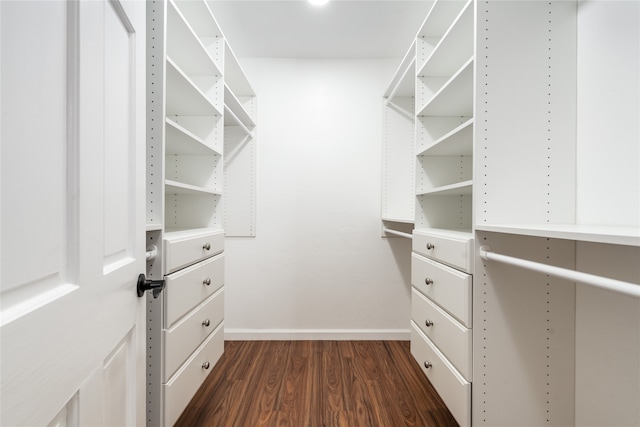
column 316, row 384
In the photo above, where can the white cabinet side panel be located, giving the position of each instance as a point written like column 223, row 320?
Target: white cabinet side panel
column 525, row 112
column 608, row 151
column 523, row 336
column 607, row 340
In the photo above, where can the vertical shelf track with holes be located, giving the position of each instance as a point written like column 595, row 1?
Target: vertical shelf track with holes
column 200, row 121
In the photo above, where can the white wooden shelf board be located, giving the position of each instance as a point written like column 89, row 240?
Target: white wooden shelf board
column 628, row 236
column 458, row 142
column 185, row 48
column 234, row 75
column 183, row 97
column 455, row 47
column 455, row 98
column 232, row 102
column 457, row 234
column 403, row 83
column 174, row 234
column 399, row 220
column 461, row 189
column 200, row 17
column 181, row 141
column 175, row 187
column 154, row 227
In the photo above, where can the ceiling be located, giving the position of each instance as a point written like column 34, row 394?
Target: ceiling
column 340, row 29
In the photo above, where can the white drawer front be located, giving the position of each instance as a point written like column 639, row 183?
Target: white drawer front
column 451, row 338
column 184, row 384
column 446, row 286
column 184, row 250
column 450, row 385
column 188, row 288
column 182, row 339
column 454, row 250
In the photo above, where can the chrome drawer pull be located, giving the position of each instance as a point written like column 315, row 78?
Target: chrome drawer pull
column 427, row 364
column 428, row 281
column 206, row 281
column 205, row 365
column 428, row 323
column 206, row 246
column 430, row 246
column 206, row 322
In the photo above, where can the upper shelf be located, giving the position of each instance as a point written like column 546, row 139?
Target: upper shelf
column 184, row 47
column 628, row 236
column 403, row 83
column 183, row 96
column 455, row 97
column 455, row 47
column 457, row 142
column 180, row 140
column 233, row 104
column 234, row 75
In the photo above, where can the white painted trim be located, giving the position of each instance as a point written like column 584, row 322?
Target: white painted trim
column 316, row 334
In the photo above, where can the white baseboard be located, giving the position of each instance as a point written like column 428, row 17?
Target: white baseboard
column 316, row 334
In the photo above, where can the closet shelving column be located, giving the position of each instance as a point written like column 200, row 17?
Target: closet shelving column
column 185, row 334
column 442, row 258
column 398, row 174
column 240, row 147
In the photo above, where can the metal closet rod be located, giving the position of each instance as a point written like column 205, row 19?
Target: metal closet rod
column 625, row 288
column 398, row 233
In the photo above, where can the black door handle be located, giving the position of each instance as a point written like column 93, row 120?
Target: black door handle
column 149, row 285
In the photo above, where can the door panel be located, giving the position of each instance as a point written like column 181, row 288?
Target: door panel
column 72, row 212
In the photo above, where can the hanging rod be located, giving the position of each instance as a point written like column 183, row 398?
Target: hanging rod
column 398, row 233
column 625, row 288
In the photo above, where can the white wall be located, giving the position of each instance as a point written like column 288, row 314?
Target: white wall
column 318, row 267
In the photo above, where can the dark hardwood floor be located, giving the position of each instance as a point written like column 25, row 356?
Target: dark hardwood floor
column 314, row 384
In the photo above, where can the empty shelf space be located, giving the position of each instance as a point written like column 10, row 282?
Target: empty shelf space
column 457, row 142
column 236, row 107
column 403, row 83
column 179, row 140
column 461, row 188
column 455, row 97
column 184, row 97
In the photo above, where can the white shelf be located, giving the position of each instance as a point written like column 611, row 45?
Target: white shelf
column 236, row 107
column 175, row 187
column 234, row 75
column 458, row 189
column 181, row 141
column 455, row 47
column 399, row 220
column 628, row 236
column 454, row 234
column 154, row 227
column 184, row 98
column 455, row 98
column 173, row 234
column 458, row 142
column 198, row 14
column 403, row 83
column 185, row 48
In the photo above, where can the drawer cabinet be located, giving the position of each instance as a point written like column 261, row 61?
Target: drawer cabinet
column 447, row 287
column 451, row 248
column 185, row 248
column 452, row 338
column 454, row 390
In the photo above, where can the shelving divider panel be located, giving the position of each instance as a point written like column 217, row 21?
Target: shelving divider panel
column 232, row 102
column 183, row 96
column 455, row 47
column 234, row 75
column 175, row 187
column 627, row 236
column 200, row 17
column 403, row 82
column 459, row 141
column 181, row 141
column 457, row 189
column 455, row 98
column 185, row 48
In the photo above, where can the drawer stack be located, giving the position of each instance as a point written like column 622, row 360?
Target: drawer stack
column 441, row 315
column 186, row 322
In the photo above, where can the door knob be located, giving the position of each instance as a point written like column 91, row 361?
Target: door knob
column 149, row 285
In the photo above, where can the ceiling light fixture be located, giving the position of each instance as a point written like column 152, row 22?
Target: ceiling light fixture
column 318, row 2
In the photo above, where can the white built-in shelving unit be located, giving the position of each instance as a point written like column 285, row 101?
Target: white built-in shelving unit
column 527, row 210
column 200, row 187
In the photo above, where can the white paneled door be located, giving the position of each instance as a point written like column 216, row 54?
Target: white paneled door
column 72, row 212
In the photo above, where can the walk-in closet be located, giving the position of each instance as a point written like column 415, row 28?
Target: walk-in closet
column 320, row 213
